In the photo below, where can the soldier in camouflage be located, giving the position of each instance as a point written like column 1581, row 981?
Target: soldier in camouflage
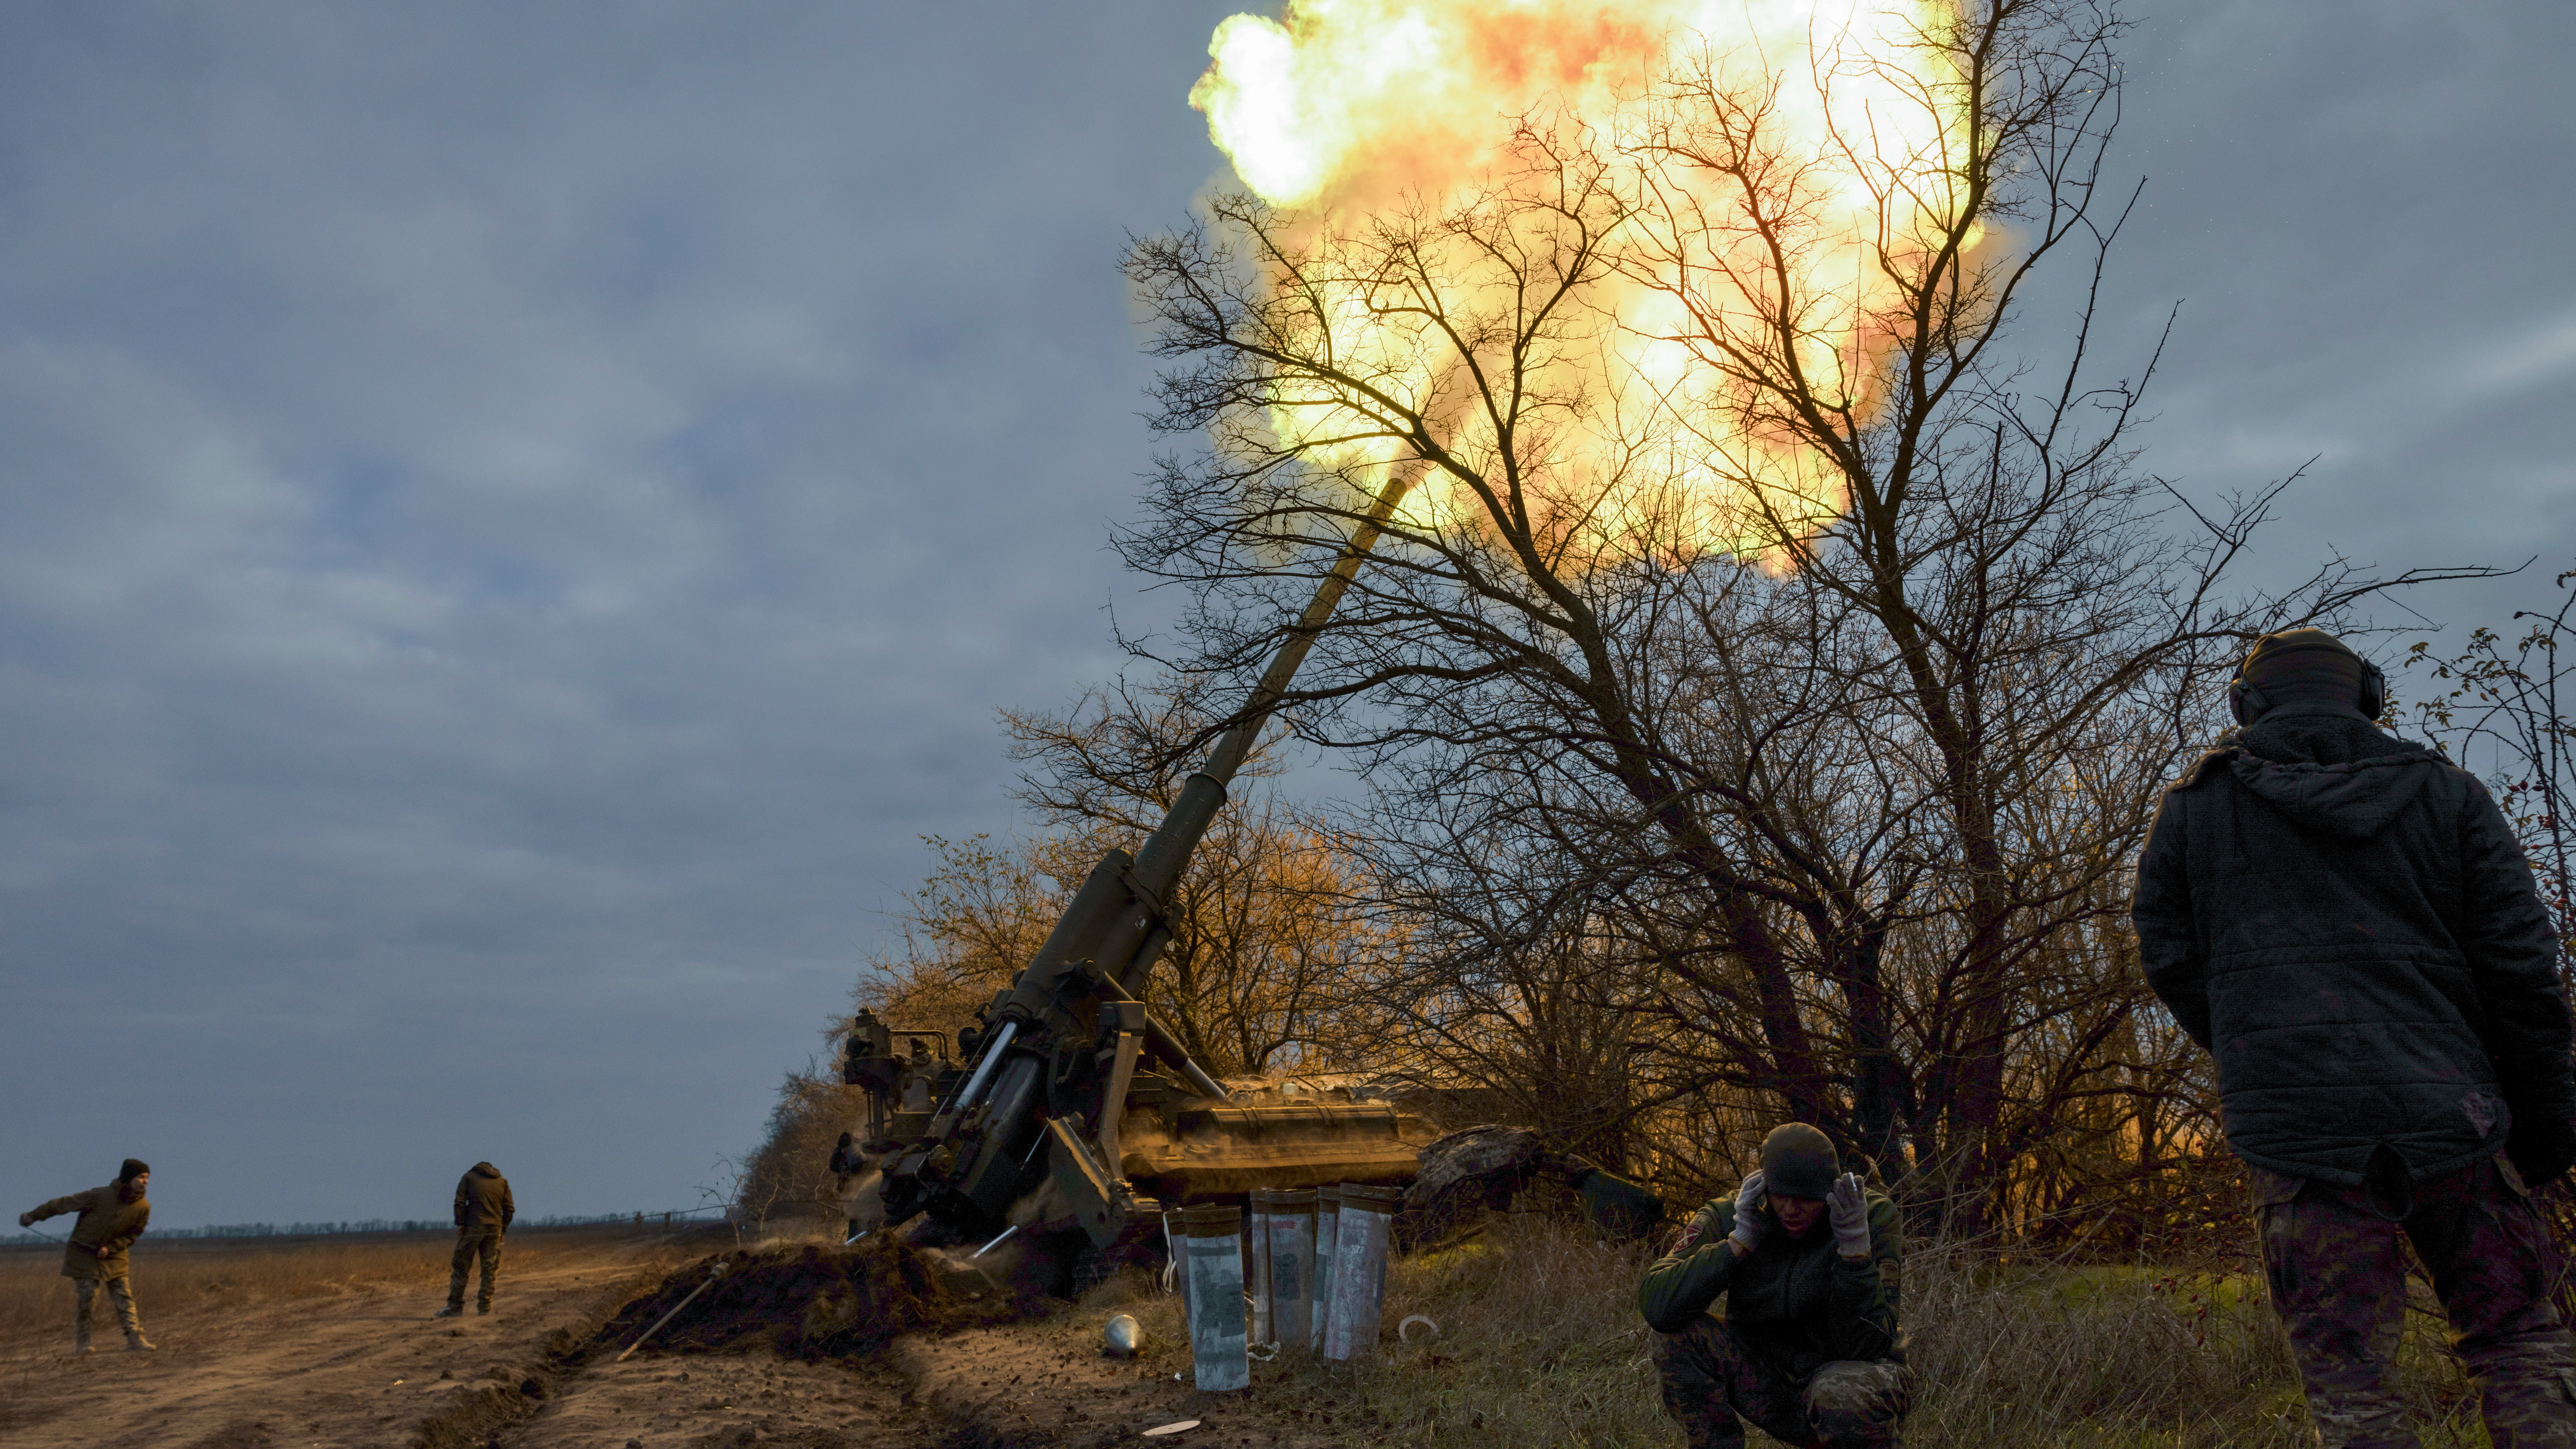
column 1809, row 1349
column 483, row 1213
column 2345, row 921
column 111, row 1218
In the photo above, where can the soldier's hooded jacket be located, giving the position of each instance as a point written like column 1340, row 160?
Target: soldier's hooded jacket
column 2343, row 920
column 107, row 1227
column 1796, row 1302
column 483, row 1198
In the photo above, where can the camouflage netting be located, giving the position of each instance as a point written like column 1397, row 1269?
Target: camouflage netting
column 811, row 1302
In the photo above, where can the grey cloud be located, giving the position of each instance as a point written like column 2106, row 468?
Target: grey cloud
column 2366, row 207
column 514, row 518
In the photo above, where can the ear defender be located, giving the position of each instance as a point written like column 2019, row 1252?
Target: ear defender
column 2243, row 700
column 2374, row 691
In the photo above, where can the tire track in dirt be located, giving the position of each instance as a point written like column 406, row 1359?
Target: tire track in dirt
column 366, row 1367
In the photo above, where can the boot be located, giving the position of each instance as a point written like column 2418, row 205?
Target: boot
column 452, row 1310
column 135, row 1342
column 80, row 1339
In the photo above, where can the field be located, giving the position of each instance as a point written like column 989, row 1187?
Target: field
column 289, row 1340
column 330, row 1341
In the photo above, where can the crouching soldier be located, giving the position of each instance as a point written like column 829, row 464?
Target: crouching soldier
column 1808, row 1349
column 483, row 1213
column 111, row 1218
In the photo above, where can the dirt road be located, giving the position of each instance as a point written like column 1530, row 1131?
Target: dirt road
column 370, row 1366
column 362, row 1368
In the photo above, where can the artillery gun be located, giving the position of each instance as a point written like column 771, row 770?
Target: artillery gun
column 1068, row 1078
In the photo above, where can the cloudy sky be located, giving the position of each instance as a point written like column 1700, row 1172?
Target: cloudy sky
column 515, row 518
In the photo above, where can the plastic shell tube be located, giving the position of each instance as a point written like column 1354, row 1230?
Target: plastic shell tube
column 1212, row 1242
column 1291, row 1251
column 1328, row 1208
column 1256, row 1265
column 1359, row 1270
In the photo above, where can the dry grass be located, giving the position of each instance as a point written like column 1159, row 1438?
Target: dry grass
column 183, row 1278
column 1540, row 1343
column 2130, row 1358
column 1541, row 1346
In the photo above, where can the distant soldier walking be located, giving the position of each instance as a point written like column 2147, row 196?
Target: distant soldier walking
column 2344, row 920
column 111, row 1218
column 483, row 1213
column 1809, row 1348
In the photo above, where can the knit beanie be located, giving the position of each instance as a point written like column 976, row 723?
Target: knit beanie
column 2304, row 667
column 134, row 1167
column 1798, row 1161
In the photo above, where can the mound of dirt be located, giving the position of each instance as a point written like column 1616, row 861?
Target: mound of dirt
column 810, row 1302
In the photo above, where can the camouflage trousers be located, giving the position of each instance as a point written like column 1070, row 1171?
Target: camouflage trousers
column 473, row 1243
column 119, row 1292
column 1713, row 1384
column 2338, row 1280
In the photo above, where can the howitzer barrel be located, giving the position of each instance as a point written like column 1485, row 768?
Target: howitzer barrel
column 1118, row 923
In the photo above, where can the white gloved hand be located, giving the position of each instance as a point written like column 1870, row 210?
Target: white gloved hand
column 1748, row 1214
column 1848, row 1209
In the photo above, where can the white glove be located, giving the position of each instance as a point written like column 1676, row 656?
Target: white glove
column 1748, row 1214
column 1848, row 1209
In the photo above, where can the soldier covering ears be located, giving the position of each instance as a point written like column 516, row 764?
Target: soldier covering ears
column 1809, row 1348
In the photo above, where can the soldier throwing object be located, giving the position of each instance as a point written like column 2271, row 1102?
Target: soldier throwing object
column 2345, row 921
column 111, row 1218
column 483, row 1213
column 1808, row 1349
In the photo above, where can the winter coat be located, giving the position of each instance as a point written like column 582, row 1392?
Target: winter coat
column 1795, row 1302
column 483, row 1198
column 108, row 1225
column 2344, row 920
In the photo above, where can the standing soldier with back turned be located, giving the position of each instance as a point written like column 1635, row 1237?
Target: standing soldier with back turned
column 2345, row 921
column 111, row 1218
column 483, row 1213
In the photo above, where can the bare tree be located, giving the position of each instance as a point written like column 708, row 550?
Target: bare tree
column 964, row 933
column 788, row 1176
column 2505, row 717
column 1832, row 673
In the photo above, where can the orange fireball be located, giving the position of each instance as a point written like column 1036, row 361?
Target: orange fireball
column 1768, row 169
